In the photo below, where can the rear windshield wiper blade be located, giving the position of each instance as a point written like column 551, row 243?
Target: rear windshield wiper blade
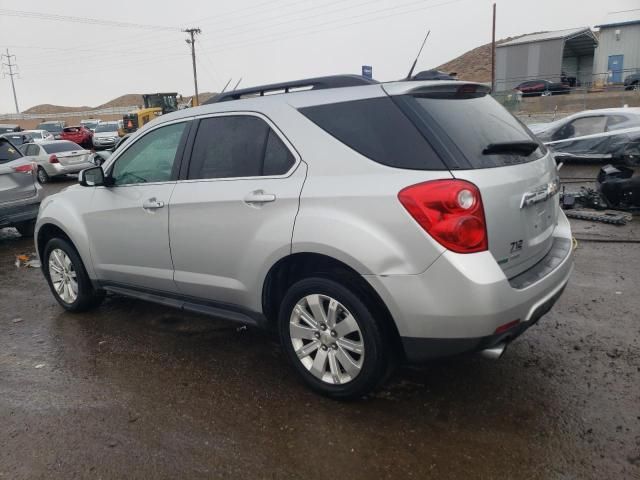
column 524, row 148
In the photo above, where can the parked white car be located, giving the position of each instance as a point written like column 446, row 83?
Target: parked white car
column 106, row 135
column 58, row 157
column 40, row 136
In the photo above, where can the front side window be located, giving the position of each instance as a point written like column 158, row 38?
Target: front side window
column 237, row 146
column 151, row 158
column 587, row 126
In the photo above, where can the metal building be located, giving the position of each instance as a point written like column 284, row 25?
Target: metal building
column 618, row 52
column 546, row 56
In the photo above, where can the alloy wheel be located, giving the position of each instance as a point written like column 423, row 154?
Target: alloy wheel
column 327, row 339
column 63, row 276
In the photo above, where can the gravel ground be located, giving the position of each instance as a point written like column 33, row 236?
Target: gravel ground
column 133, row 390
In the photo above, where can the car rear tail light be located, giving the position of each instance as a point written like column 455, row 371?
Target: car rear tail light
column 28, row 168
column 53, row 159
column 450, row 211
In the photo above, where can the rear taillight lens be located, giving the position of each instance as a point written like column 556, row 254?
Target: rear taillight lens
column 28, row 168
column 450, row 211
column 53, row 159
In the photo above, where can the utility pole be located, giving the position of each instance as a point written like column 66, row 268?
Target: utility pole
column 493, row 52
column 11, row 75
column 192, row 41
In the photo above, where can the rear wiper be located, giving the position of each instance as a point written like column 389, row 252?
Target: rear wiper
column 525, row 148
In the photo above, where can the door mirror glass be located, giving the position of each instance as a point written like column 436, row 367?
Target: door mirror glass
column 92, row 177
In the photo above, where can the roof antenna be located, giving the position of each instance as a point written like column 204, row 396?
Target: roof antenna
column 417, row 57
column 236, row 87
column 227, row 84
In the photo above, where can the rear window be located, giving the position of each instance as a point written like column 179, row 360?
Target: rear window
column 464, row 123
column 377, row 129
column 61, row 146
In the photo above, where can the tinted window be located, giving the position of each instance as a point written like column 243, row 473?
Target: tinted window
column 151, row 158
column 237, row 146
column 277, row 157
column 470, row 120
column 8, row 152
column 61, row 146
column 377, row 129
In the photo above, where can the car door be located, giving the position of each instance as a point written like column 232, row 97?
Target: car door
column 16, row 179
column 128, row 221
column 233, row 215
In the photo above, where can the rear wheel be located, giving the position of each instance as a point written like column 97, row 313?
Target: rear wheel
column 67, row 277
column 332, row 339
column 26, row 228
column 43, row 177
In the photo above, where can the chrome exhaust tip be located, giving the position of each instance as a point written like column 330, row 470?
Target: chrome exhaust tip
column 494, row 353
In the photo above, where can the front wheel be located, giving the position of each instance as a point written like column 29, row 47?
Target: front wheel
column 67, row 277
column 332, row 339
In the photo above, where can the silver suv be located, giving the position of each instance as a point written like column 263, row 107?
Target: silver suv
column 365, row 222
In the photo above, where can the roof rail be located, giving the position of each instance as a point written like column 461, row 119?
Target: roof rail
column 318, row 83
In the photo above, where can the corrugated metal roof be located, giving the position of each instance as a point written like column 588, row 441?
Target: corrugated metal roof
column 541, row 37
column 625, row 17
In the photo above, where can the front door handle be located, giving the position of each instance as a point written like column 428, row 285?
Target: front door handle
column 259, row 196
column 152, row 204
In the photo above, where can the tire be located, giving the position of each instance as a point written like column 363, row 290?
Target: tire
column 344, row 373
column 86, row 296
column 26, row 228
column 43, row 177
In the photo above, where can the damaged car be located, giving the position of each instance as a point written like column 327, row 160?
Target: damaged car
column 611, row 135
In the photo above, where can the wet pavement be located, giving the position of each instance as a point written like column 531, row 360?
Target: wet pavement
column 134, row 390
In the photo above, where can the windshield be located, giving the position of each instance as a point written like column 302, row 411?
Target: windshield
column 107, row 127
column 34, row 134
column 89, row 125
column 50, row 127
column 61, row 146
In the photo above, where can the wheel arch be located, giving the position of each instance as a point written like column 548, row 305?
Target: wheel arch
column 297, row 266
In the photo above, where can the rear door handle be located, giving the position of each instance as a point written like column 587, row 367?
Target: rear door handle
column 152, row 204
column 259, row 196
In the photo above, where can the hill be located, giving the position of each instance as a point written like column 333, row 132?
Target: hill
column 127, row 100
column 474, row 65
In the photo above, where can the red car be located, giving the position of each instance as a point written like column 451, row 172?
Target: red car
column 80, row 135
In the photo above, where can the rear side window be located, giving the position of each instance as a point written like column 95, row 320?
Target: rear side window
column 464, row 122
column 8, row 152
column 61, row 146
column 237, row 146
column 377, row 129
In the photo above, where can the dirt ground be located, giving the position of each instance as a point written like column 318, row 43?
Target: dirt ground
column 133, row 390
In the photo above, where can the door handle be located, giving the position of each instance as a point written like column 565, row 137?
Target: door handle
column 152, row 204
column 259, row 196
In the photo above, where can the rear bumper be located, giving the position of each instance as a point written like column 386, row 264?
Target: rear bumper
column 457, row 304
column 19, row 213
column 54, row 169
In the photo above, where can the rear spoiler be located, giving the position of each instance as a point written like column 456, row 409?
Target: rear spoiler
column 438, row 89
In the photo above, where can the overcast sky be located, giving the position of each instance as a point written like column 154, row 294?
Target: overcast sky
column 77, row 63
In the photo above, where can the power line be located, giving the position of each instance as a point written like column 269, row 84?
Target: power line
column 90, row 21
column 11, row 74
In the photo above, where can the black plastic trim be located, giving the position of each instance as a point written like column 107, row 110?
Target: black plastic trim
column 23, row 213
column 560, row 249
column 187, row 303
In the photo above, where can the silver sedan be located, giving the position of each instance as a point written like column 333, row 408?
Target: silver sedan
column 58, row 157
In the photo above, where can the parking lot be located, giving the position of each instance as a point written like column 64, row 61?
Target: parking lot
column 134, row 390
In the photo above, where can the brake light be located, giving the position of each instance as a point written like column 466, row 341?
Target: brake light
column 53, row 159
column 450, row 211
column 28, row 168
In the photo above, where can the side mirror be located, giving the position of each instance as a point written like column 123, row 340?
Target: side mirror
column 92, row 177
